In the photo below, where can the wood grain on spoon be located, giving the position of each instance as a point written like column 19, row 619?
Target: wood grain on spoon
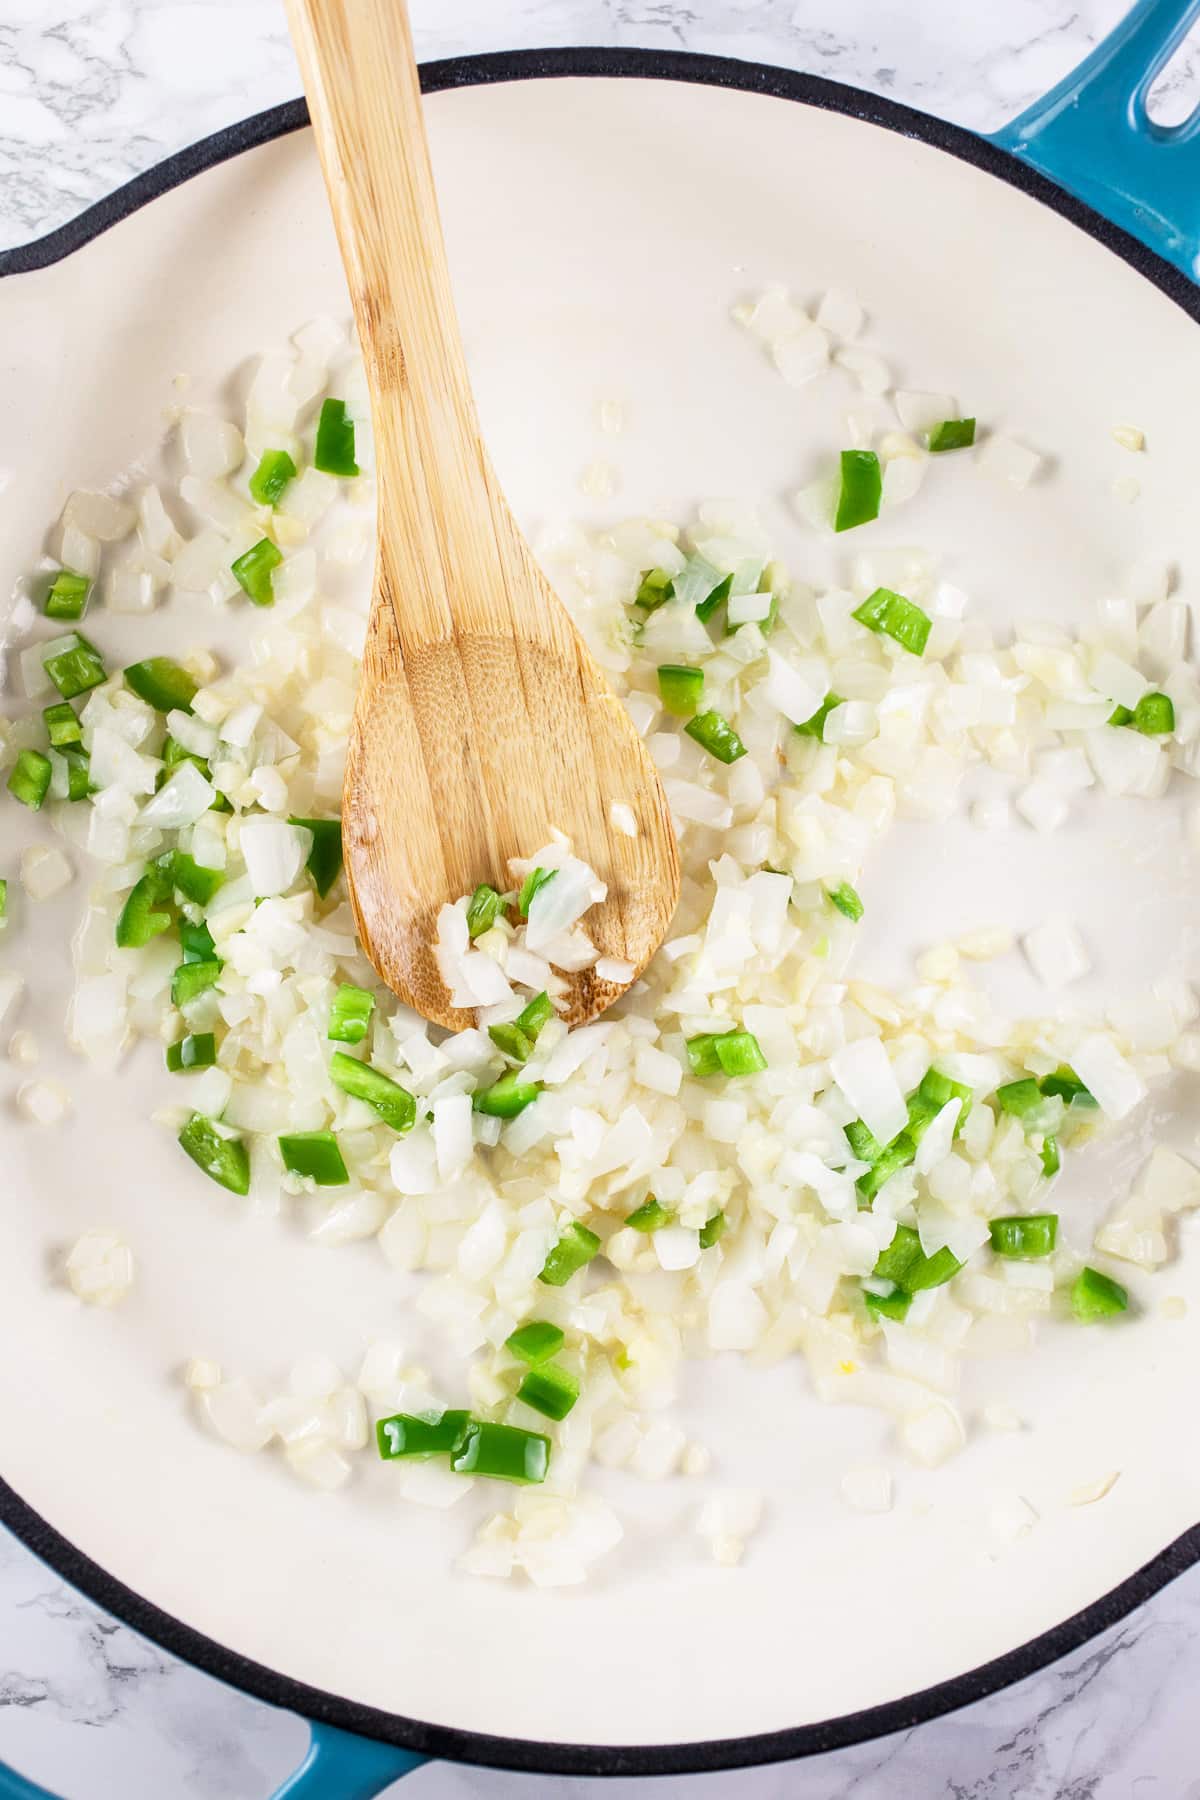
column 482, row 722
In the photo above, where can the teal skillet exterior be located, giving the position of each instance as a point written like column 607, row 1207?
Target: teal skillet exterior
column 1093, row 136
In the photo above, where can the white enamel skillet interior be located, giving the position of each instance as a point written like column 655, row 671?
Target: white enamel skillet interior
column 599, row 230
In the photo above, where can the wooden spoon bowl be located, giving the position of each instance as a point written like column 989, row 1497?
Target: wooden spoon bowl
column 483, row 724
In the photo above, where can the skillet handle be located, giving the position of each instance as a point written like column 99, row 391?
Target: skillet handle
column 339, row 1766
column 19, row 1787
column 1091, row 135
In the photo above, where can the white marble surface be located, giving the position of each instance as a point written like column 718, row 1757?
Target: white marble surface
column 92, row 92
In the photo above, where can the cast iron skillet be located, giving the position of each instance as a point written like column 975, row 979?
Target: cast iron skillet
column 1088, row 151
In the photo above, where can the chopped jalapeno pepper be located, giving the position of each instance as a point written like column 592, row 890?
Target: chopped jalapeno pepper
column 483, row 909
column 420, row 1434
column 275, row 469
column 29, row 779
column 314, row 1155
column 512, row 1040
column 713, row 1230
column 198, row 1051
column 504, row 1452
column 143, row 916
column 861, row 489
column 350, row 1014
column 815, row 726
column 334, row 453
column 506, row 1097
column 574, row 1249
column 846, row 900
column 192, row 979
column 1024, row 1236
column 892, row 615
column 394, row 1104
column 62, row 725
column 68, row 595
column 162, row 684
column 716, row 735
column 649, row 1216
column 1096, row 1296
column 253, row 570
column 952, row 434
column 532, row 884
column 681, row 688
column 194, row 881
column 224, row 1160
column 536, row 1342
column 324, row 862
column 550, row 1390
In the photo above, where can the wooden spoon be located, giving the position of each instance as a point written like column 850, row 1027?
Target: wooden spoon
column 483, row 723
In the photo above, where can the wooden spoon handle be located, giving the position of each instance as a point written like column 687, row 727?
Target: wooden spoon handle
column 356, row 59
column 434, row 477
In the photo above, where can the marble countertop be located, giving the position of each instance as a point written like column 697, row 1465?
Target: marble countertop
column 91, row 92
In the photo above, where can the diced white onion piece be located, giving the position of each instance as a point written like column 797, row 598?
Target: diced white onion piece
column 183, row 798
column 1117, row 680
column 802, row 353
column 203, row 566
column 452, row 1135
column 1006, row 460
column 864, row 1074
column 868, row 369
column 192, row 733
column 853, row 722
column 960, row 1233
column 938, row 1138
column 676, row 1247
column 99, row 516
column 748, row 609
column 689, row 801
column 902, row 479
column 1042, row 805
column 933, row 1435
column 34, row 678
column 1108, row 1076
column 131, row 590
column 920, row 411
column 45, row 871
column 232, row 1410
column 1056, row 953
column 840, row 314
column 736, row 1316
column 796, row 690
column 212, row 447
column 561, row 902
column 731, row 1513
column 239, row 726
column 275, row 853
column 114, row 764
column 156, row 528
column 44, row 1102
column 100, row 1268
column 612, row 968
column 656, row 1070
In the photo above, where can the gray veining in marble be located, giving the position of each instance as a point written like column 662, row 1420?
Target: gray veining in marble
column 93, row 92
